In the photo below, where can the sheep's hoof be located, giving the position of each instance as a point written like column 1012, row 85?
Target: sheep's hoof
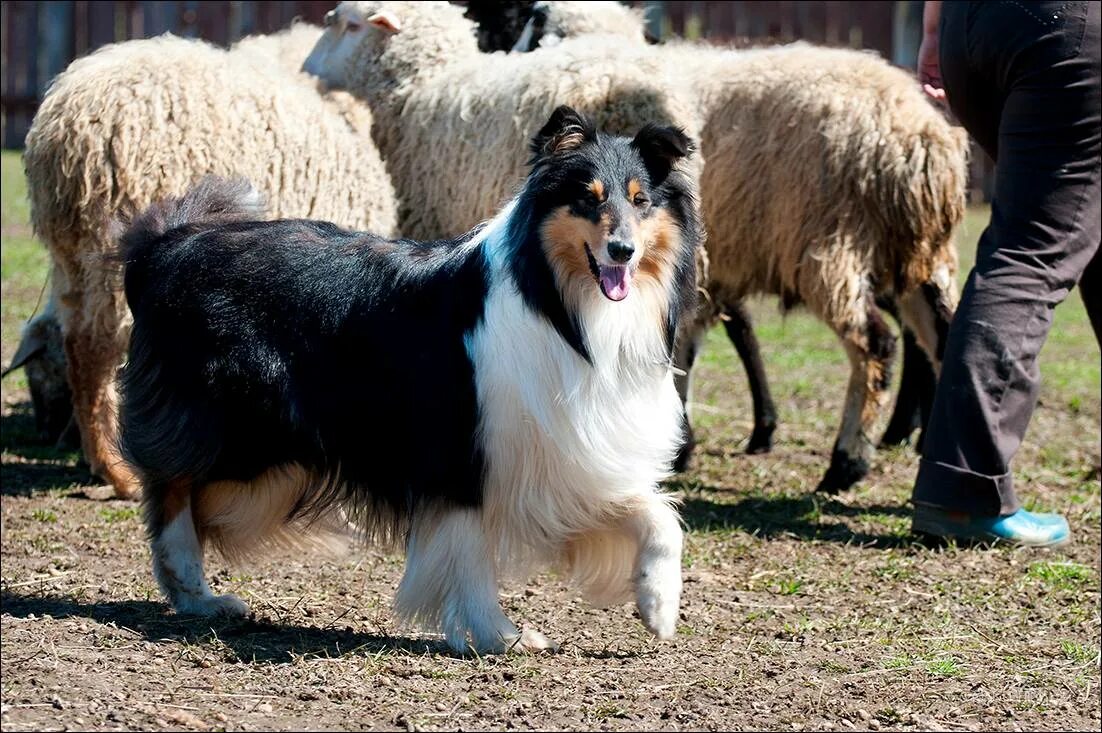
column 898, row 433
column 761, row 440
column 844, row 472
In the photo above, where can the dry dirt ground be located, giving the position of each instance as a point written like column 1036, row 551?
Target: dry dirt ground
column 800, row 612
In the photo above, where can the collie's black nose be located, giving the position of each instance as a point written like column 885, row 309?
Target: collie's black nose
column 620, row 251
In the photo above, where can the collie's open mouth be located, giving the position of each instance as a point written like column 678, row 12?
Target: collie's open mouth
column 614, row 280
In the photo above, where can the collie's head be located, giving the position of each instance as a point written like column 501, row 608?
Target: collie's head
column 606, row 220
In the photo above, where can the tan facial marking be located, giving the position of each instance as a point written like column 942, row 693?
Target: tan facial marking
column 597, row 188
column 634, row 188
column 564, row 238
column 660, row 238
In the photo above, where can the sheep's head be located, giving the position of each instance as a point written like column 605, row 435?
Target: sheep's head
column 41, row 356
column 378, row 46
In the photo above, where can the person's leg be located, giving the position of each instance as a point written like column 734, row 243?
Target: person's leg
column 1044, row 231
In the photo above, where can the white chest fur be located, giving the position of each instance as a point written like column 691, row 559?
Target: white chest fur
column 567, row 443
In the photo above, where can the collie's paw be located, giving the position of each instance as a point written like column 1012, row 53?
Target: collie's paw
column 528, row 641
column 226, row 606
column 659, row 606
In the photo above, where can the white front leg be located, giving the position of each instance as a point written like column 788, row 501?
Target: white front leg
column 657, row 580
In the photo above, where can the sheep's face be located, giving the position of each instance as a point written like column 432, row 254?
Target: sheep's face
column 365, row 42
column 604, row 204
column 346, row 29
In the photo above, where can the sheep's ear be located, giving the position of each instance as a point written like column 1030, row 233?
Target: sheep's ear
column 386, row 20
column 31, row 346
column 566, row 130
column 661, row 148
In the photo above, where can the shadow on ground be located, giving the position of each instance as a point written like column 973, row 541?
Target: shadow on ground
column 809, row 517
column 251, row 640
column 30, row 464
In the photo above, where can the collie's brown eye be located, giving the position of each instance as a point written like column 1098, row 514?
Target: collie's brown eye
column 640, row 200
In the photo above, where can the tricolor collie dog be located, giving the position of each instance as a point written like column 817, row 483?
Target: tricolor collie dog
column 494, row 401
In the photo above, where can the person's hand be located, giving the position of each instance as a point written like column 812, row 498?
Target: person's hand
column 929, row 68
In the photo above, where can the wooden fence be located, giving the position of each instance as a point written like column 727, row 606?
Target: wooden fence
column 39, row 39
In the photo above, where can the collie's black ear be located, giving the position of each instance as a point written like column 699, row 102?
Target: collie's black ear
column 566, row 130
column 661, row 148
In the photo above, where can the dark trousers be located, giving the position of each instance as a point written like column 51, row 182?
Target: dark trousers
column 1023, row 78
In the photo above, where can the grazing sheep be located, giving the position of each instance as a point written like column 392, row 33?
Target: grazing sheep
column 828, row 179
column 138, row 121
column 854, row 198
column 452, row 122
column 852, row 201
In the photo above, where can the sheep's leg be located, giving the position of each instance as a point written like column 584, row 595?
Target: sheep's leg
column 741, row 332
column 177, row 550
column 870, row 345
column 928, row 311
column 686, row 347
column 915, row 397
column 657, row 530
column 450, row 581
column 93, row 351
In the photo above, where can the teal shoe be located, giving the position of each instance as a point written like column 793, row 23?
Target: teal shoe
column 1020, row 528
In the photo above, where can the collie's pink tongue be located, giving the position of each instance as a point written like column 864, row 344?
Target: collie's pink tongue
column 615, row 281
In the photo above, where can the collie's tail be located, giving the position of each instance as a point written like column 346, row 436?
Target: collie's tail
column 212, row 200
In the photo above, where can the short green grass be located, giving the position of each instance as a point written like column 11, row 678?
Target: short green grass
column 1078, row 653
column 47, row 516
column 1063, row 575
column 112, row 515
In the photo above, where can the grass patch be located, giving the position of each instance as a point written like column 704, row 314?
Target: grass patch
column 899, row 662
column 1063, row 575
column 946, row 667
column 122, row 514
column 1076, row 652
column 789, row 586
column 47, row 516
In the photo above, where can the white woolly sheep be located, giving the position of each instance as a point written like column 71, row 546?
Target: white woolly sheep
column 40, row 352
column 828, row 178
column 831, row 182
column 141, row 120
column 289, row 47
